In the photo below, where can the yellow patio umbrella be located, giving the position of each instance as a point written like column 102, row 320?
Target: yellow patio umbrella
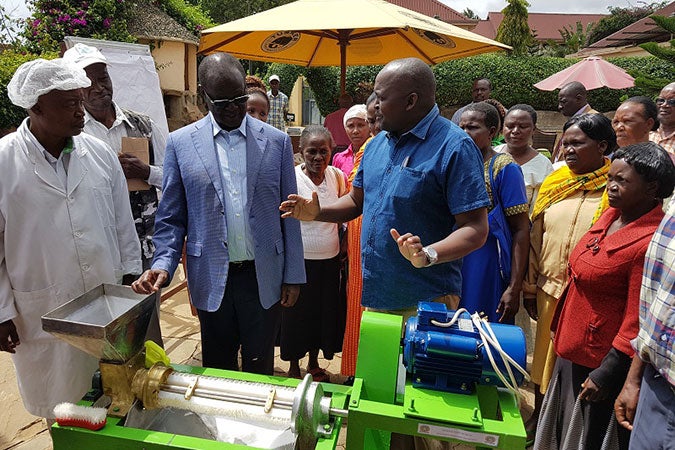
column 343, row 32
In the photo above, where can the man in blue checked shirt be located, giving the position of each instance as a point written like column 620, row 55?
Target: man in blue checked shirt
column 646, row 404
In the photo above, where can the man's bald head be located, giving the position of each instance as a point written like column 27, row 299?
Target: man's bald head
column 406, row 91
column 414, row 75
column 214, row 64
column 571, row 98
column 222, row 80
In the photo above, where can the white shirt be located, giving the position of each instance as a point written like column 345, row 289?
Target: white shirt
column 58, row 241
column 113, row 137
column 320, row 239
column 231, row 153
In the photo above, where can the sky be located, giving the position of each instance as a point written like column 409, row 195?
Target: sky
column 481, row 8
column 17, row 8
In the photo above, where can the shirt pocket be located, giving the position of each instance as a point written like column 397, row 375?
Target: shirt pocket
column 597, row 339
column 104, row 204
column 31, row 306
column 408, row 186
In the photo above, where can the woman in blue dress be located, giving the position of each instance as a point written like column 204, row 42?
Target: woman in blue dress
column 492, row 276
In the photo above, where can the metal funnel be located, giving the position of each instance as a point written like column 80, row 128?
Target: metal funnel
column 108, row 322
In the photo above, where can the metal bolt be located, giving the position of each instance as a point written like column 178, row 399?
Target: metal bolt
column 327, row 427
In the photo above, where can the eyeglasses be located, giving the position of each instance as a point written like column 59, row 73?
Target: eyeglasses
column 660, row 101
column 225, row 102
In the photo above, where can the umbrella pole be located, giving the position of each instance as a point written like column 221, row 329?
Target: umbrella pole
column 343, row 42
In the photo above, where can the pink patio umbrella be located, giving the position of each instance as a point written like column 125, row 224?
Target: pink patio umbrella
column 593, row 72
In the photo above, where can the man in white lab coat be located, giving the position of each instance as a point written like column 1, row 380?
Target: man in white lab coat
column 65, row 228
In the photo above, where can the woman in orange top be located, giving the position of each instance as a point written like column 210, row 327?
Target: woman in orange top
column 350, row 344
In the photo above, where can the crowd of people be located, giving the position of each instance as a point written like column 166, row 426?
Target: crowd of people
column 408, row 206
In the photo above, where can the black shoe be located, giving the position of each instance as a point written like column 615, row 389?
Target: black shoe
column 349, row 381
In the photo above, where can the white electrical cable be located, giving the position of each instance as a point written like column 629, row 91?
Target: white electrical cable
column 490, row 340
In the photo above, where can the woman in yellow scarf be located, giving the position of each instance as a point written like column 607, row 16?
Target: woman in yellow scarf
column 570, row 200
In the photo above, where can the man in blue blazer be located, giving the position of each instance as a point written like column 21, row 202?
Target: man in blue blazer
column 224, row 177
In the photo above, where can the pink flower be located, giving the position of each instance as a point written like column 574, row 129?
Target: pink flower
column 107, row 22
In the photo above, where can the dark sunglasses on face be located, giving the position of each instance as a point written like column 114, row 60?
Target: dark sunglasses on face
column 660, row 101
column 225, row 102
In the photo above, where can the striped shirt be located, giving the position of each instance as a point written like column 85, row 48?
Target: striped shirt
column 654, row 342
column 278, row 109
column 667, row 142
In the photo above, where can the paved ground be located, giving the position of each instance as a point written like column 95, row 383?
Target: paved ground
column 21, row 431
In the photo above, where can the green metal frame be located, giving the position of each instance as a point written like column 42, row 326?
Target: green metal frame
column 488, row 418
column 114, row 436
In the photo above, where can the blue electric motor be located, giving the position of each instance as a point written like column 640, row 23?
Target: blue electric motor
column 453, row 359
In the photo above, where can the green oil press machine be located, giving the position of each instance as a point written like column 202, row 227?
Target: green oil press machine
column 451, row 388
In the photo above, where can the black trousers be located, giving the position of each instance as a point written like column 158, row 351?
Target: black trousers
column 240, row 323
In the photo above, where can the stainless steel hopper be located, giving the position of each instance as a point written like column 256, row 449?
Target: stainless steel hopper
column 108, row 322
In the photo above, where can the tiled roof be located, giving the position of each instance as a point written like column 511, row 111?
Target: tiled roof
column 150, row 22
column 644, row 30
column 544, row 25
column 434, row 8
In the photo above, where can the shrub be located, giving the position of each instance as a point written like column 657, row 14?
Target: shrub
column 512, row 80
column 11, row 115
column 52, row 20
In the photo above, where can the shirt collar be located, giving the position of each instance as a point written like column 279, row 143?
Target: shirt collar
column 119, row 117
column 24, row 129
column 217, row 129
column 422, row 128
column 583, row 108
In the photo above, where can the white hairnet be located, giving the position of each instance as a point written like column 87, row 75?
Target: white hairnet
column 40, row 76
column 355, row 111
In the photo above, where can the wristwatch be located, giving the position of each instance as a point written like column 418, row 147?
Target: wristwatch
column 431, row 254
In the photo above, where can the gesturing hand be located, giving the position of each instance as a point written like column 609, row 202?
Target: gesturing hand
column 301, row 208
column 410, row 247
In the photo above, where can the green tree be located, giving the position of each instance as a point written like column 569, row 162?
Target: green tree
column 9, row 28
column 620, row 18
column 664, row 53
column 514, row 29
column 654, row 84
column 575, row 38
column 222, row 11
column 469, row 14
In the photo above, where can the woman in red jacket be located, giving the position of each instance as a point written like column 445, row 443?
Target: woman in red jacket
column 600, row 312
